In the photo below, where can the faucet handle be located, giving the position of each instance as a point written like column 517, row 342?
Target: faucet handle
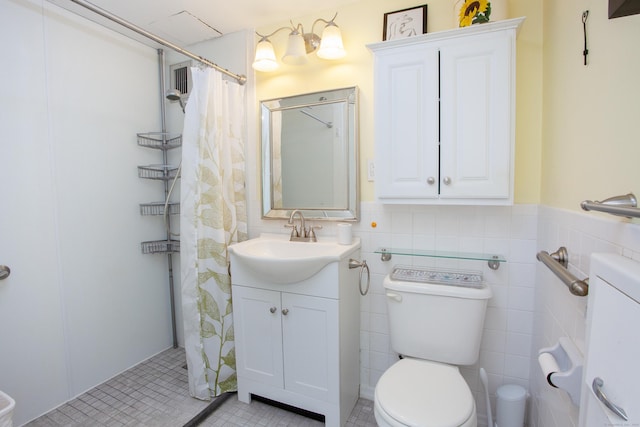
column 294, row 230
column 312, row 232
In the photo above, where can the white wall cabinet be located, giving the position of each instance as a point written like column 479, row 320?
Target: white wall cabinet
column 444, row 112
column 299, row 343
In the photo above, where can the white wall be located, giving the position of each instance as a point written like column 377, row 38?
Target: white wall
column 82, row 303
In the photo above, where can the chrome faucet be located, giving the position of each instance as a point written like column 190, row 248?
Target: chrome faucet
column 303, row 234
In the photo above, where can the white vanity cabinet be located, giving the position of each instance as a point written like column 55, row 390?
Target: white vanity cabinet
column 298, row 343
column 444, row 116
column 284, row 339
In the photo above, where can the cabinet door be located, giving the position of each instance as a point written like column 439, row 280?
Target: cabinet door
column 258, row 334
column 311, row 336
column 406, row 102
column 612, row 355
column 476, row 117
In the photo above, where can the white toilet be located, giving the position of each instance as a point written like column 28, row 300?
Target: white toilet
column 435, row 328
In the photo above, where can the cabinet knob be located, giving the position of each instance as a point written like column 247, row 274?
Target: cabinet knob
column 272, row 310
column 4, row 272
column 446, row 180
column 285, row 311
column 431, row 180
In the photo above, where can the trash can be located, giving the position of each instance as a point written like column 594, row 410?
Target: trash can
column 6, row 410
column 510, row 405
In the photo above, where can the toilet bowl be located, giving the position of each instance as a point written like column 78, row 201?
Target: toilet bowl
column 435, row 326
column 416, row 392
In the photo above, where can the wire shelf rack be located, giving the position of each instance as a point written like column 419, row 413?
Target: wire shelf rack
column 163, row 172
column 157, row 208
column 160, row 140
column 160, row 246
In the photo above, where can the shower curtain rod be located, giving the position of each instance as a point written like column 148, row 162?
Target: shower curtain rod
column 239, row 77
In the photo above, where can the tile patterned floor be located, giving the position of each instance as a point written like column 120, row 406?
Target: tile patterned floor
column 155, row 394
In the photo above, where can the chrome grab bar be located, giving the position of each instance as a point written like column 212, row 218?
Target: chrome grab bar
column 557, row 262
column 625, row 205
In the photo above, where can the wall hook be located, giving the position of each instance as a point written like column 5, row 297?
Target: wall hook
column 585, row 52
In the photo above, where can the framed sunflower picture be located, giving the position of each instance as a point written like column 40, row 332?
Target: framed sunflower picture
column 473, row 12
column 405, row 23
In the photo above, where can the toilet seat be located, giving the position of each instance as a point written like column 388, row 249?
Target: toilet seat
column 416, row 392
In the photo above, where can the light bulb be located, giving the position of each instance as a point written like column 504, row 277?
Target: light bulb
column 265, row 59
column 296, row 53
column 331, row 45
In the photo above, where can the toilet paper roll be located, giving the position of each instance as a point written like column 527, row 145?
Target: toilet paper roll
column 549, row 366
column 344, row 233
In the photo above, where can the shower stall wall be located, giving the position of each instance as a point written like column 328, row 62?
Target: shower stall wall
column 82, row 304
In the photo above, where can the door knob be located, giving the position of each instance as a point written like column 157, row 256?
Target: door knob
column 431, row 180
column 4, row 272
column 285, row 311
column 272, row 310
column 446, row 180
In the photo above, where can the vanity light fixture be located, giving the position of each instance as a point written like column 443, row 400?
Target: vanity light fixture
column 299, row 44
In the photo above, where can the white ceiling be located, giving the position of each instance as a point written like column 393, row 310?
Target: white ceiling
column 185, row 22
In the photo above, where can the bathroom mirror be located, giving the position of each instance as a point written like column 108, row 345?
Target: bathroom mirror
column 310, row 155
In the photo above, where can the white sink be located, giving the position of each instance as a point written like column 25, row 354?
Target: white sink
column 276, row 259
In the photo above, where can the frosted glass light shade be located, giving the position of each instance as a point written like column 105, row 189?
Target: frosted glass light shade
column 265, row 59
column 296, row 53
column 331, row 45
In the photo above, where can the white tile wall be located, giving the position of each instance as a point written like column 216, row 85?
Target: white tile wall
column 530, row 308
column 508, row 231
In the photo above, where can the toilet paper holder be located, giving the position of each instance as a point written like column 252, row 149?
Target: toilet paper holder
column 562, row 366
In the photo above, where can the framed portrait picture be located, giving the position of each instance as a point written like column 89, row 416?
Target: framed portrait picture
column 405, row 23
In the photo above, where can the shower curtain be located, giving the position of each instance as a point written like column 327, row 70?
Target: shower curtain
column 213, row 215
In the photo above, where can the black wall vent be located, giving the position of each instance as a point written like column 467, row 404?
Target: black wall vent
column 181, row 78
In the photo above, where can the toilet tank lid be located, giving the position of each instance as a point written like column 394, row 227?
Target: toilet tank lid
column 482, row 291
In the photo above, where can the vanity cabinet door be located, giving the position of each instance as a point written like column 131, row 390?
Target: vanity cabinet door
column 475, row 121
column 258, row 334
column 288, row 341
column 310, row 338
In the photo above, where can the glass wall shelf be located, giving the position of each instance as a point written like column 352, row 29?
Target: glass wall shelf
column 492, row 260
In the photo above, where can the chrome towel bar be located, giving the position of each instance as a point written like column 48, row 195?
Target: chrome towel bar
column 625, row 205
column 557, row 262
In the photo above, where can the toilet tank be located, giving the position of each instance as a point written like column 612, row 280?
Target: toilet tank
column 436, row 322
